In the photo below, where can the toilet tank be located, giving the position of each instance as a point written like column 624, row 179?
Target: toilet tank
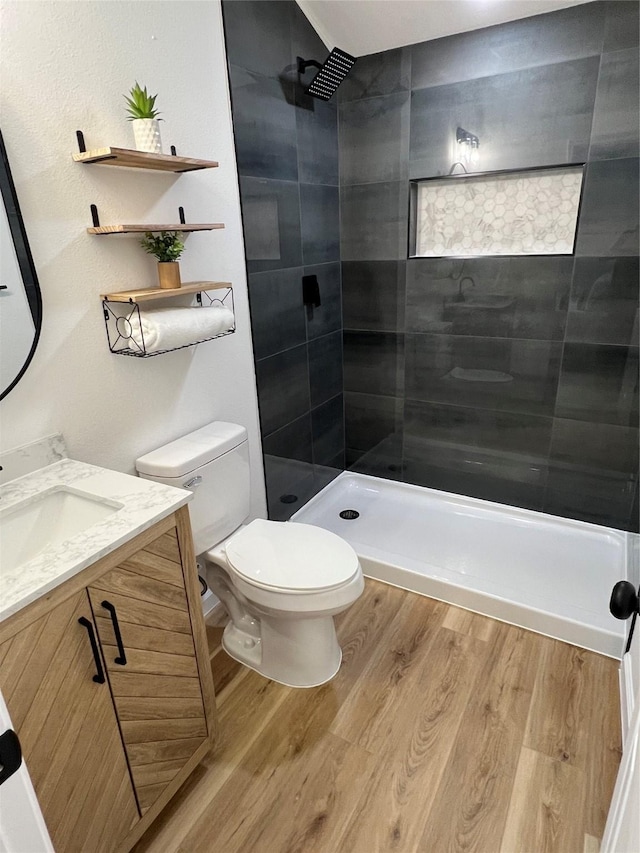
column 213, row 462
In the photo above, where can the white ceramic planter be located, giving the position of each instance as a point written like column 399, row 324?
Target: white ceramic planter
column 146, row 132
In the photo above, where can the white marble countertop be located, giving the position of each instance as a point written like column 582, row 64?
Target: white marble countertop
column 144, row 502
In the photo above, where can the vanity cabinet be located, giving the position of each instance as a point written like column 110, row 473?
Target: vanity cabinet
column 68, row 730
column 156, row 691
column 108, row 684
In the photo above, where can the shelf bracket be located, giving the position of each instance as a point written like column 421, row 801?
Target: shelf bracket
column 173, row 151
column 183, row 221
column 94, row 216
column 81, row 144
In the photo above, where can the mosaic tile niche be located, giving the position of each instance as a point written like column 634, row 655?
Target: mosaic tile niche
column 516, row 213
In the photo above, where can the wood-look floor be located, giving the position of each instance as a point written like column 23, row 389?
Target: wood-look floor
column 443, row 731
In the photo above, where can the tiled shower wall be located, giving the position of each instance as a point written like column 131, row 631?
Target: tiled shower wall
column 511, row 379
column 287, row 152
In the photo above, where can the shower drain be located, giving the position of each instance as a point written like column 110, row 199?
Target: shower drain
column 349, row 514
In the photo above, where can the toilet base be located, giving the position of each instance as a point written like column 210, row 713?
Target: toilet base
column 293, row 652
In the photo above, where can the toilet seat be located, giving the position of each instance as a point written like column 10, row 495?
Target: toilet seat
column 291, row 557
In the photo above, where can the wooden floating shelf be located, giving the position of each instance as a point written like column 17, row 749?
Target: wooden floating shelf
column 129, row 158
column 141, row 229
column 160, row 293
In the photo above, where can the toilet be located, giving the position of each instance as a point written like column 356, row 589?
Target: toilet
column 280, row 582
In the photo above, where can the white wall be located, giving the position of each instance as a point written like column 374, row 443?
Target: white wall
column 65, row 66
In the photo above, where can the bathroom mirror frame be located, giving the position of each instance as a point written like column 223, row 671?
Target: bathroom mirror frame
column 29, row 276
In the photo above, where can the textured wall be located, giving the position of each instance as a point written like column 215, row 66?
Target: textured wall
column 421, row 336
column 66, row 65
column 287, row 151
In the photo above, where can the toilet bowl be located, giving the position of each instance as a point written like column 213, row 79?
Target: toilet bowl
column 280, row 582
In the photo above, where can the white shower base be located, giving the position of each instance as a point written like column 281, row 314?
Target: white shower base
column 550, row 575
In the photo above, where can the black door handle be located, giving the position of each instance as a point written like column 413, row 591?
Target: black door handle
column 625, row 602
column 99, row 676
column 10, row 754
column 122, row 657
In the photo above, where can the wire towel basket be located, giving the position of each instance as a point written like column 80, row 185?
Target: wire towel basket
column 123, row 324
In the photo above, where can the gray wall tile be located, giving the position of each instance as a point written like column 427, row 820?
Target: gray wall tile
column 373, row 295
column 320, row 209
column 616, row 118
column 622, row 26
column 599, row 383
column 290, row 484
column 489, row 297
column 328, row 431
column 599, row 497
column 373, row 422
column 384, row 460
column 497, row 456
column 374, row 221
column 485, row 474
column 283, row 388
column 292, row 441
column 374, row 139
column 277, row 312
column 488, row 373
column 604, row 301
column 536, row 117
column 595, row 446
column 608, row 222
column 525, row 435
column 541, row 40
column 271, row 223
column 258, row 34
column 374, row 363
column 634, row 523
column 325, row 368
column 317, row 143
column 264, row 126
column 378, row 74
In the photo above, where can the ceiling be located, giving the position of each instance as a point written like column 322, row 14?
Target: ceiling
column 368, row 26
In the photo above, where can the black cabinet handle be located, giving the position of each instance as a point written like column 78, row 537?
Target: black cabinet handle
column 99, row 676
column 122, row 658
column 10, row 754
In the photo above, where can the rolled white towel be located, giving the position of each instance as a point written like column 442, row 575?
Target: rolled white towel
column 169, row 328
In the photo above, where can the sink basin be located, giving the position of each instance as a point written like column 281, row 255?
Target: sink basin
column 47, row 520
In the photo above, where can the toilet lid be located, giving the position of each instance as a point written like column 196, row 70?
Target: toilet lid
column 293, row 556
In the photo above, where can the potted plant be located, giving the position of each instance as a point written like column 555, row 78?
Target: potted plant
column 167, row 248
column 144, row 118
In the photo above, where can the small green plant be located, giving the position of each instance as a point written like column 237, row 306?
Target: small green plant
column 166, row 246
column 140, row 104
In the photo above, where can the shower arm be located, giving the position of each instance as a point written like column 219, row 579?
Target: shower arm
column 303, row 64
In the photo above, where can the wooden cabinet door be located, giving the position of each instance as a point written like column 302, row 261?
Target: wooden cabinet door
column 68, row 731
column 157, row 691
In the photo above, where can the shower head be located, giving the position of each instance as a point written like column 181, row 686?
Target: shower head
column 332, row 72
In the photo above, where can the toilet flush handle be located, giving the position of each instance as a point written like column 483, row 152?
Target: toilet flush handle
column 193, row 483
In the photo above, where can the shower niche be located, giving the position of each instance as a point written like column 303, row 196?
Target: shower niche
column 510, row 213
